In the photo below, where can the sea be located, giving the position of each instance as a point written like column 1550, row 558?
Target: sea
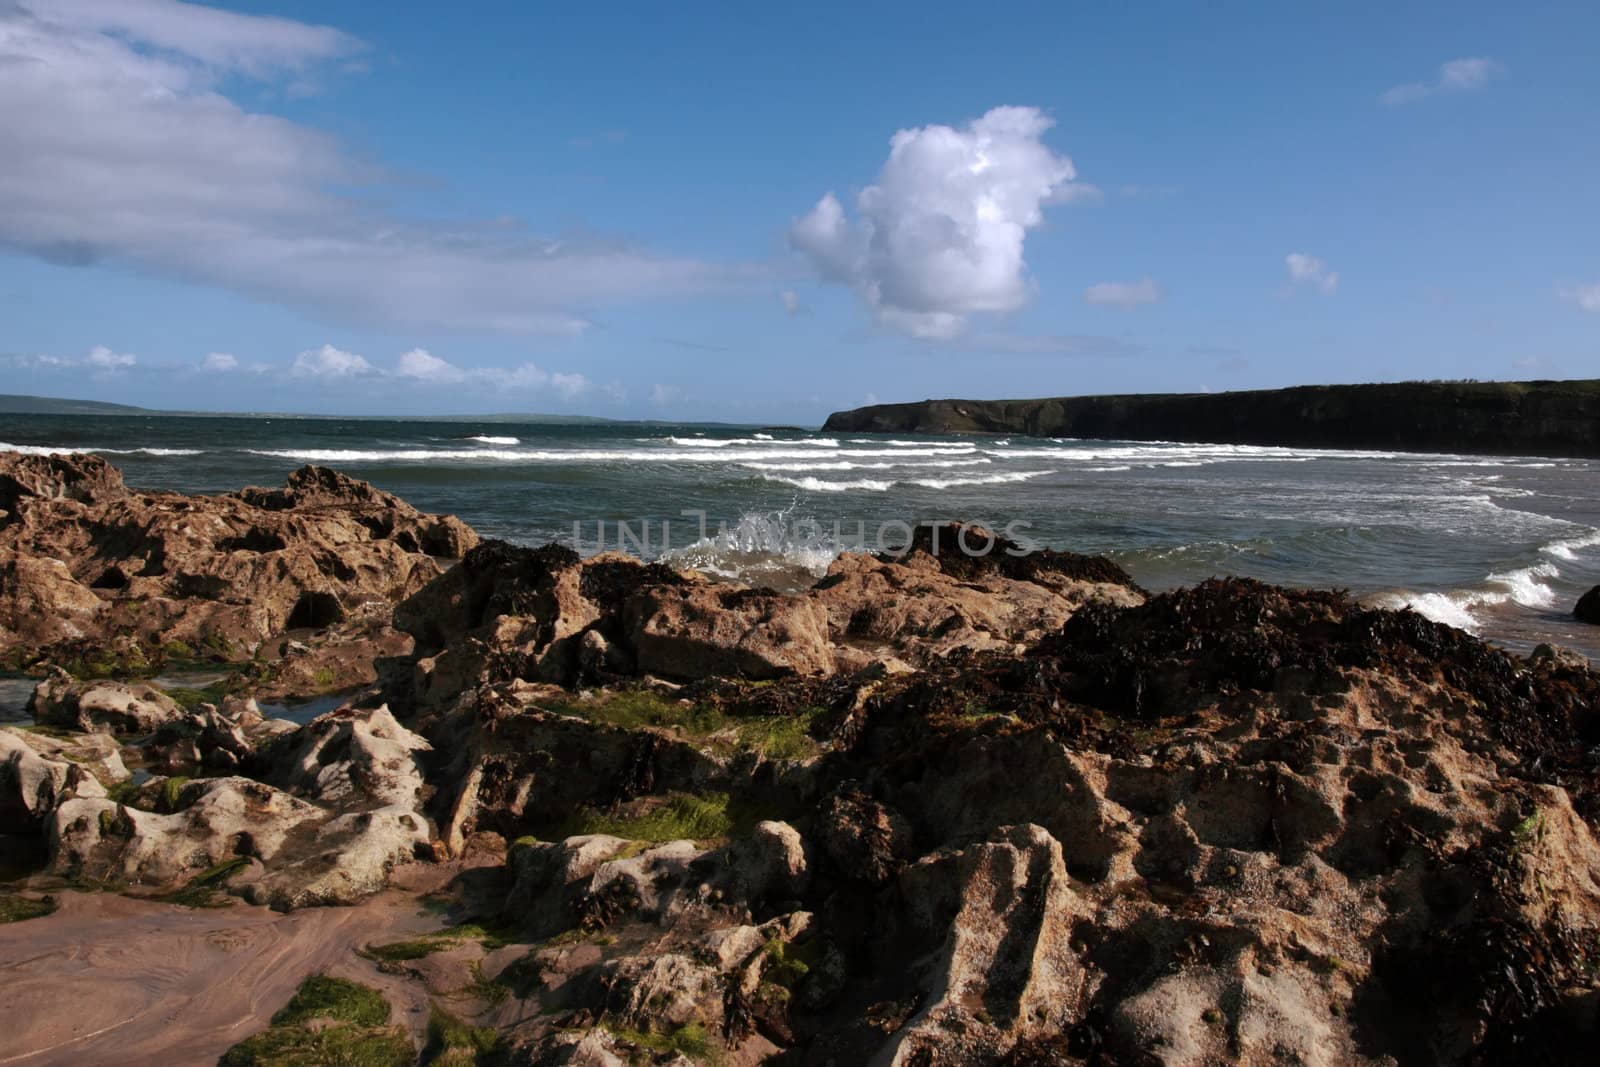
column 1500, row 546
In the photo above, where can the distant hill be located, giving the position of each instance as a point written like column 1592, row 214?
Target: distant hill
column 1507, row 418
column 12, row 404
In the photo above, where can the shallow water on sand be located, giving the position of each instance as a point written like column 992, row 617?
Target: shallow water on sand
column 1499, row 545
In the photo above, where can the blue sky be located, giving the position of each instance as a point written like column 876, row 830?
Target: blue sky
column 356, row 208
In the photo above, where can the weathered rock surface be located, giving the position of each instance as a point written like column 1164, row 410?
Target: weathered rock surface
column 344, row 810
column 122, row 707
column 1588, row 607
column 85, row 561
column 33, row 784
column 545, row 615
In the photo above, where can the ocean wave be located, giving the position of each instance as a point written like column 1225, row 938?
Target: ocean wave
column 762, row 548
column 1003, row 478
column 851, row 465
column 1524, row 585
column 79, row 450
column 575, row 455
column 821, row 485
column 758, row 439
column 1461, row 608
column 1453, row 609
column 486, row 439
column 1569, row 547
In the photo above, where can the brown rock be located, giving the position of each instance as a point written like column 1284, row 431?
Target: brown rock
column 215, row 575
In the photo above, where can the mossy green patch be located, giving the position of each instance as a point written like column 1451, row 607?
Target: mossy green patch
column 490, row 937
column 788, row 964
column 781, row 737
column 357, row 1037
column 342, row 1045
column 15, row 908
column 634, row 709
column 681, row 816
column 322, row 997
column 691, row 1040
column 452, row 1041
column 172, row 792
column 204, row 889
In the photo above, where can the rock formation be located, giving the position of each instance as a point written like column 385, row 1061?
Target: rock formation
column 1588, row 607
column 94, row 571
column 937, row 810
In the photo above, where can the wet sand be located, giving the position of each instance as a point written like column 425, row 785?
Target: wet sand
column 109, row 979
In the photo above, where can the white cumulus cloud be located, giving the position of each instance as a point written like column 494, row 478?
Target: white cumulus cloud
column 939, row 236
column 102, row 357
column 1307, row 269
column 421, row 365
column 1458, row 75
column 1125, row 295
column 329, row 362
column 219, row 362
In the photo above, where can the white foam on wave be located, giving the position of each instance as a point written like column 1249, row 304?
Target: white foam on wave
column 758, row 439
column 765, row 548
column 1004, row 478
column 1569, row 547
column 851, row 465
column 1452, row 609
column 486, row 439
column 1526, row 588
column 63, row 450
column 822, row 485
column 578, row 455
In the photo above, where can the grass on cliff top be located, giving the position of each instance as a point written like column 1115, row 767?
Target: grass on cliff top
column 352, row 1031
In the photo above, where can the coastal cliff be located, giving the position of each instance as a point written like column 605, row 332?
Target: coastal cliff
column 1508, row 418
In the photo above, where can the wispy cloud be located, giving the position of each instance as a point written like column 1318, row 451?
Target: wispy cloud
column 1586, row 297
column 219, row 363
column 1458, row 75
column 662, row 396
column 1124, row 295
column 1309, row 270
column 1048, row 344
column 122, row 146
column 939, row 236
column 100, row 362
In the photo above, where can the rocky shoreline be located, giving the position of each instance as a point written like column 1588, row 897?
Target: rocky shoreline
column 937, row 809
